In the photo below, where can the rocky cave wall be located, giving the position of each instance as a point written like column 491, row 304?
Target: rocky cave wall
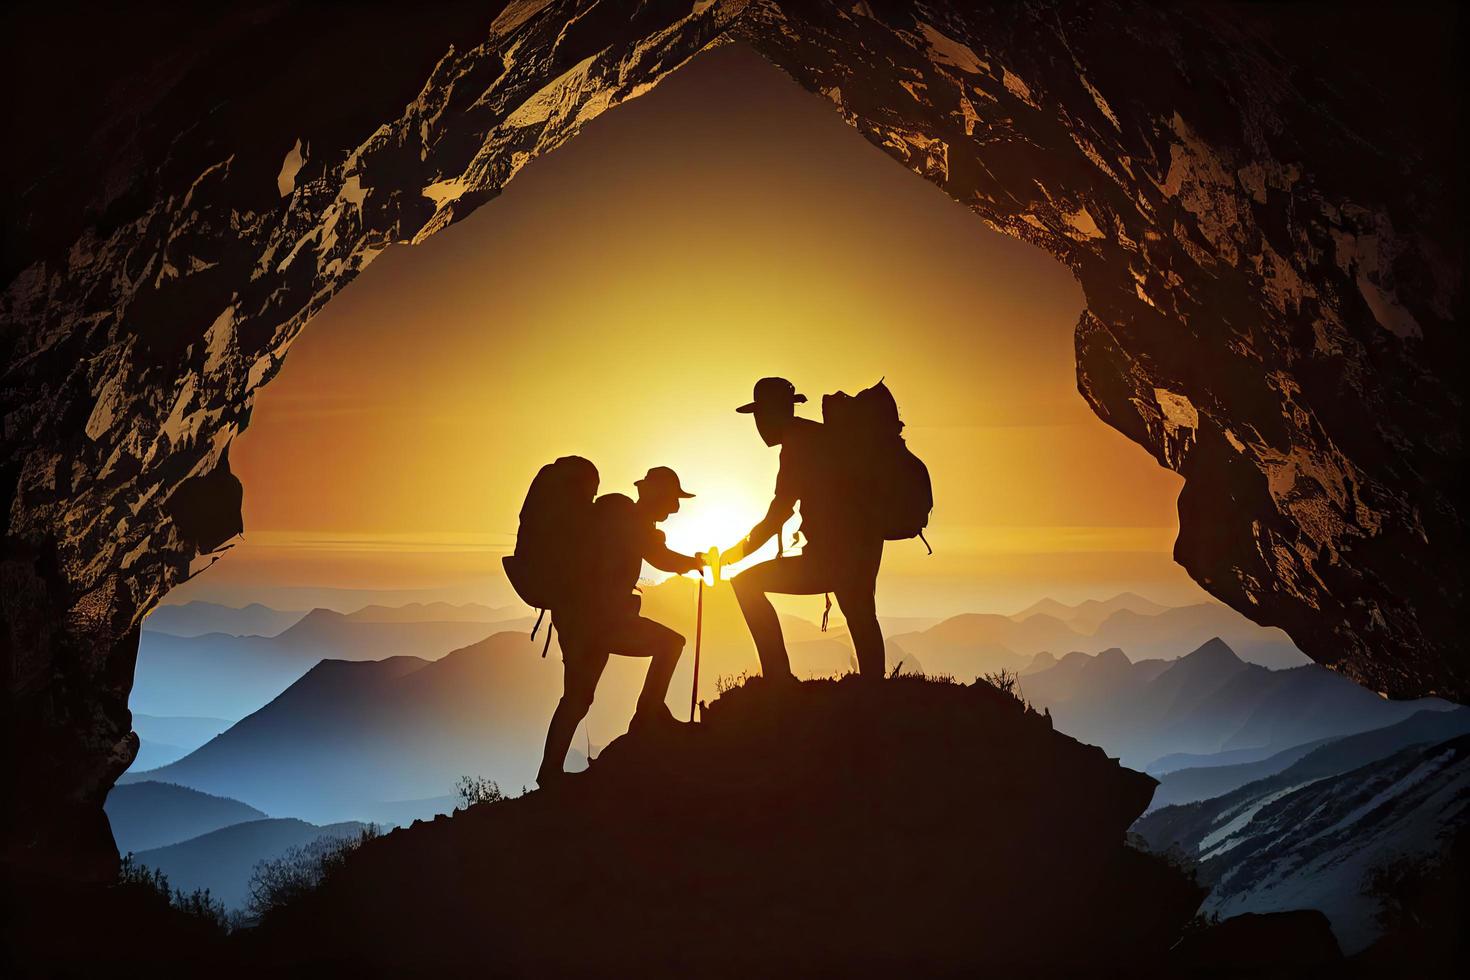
column 1272, row 283
column 1272, row 288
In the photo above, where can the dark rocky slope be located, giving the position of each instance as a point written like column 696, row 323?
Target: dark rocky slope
column 913, row 827
column 1262, row 220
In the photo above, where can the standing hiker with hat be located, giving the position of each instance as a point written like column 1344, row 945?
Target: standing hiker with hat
column 842, row 551
column 602, row 618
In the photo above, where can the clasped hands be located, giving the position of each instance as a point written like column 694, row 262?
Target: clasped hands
column 723, row 557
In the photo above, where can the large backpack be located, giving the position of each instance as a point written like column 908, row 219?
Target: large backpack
column 871, row 459
column 552, row 536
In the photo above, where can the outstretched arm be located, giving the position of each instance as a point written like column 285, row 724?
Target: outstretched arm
column 665, row 559
column 780, row 511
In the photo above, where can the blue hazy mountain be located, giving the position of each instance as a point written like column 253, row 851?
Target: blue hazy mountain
column 972, row 644
column 164, row 739
column 1175, row 761
column 222, row 860
column 351, row 736
column 1207, row 782
column 1306, row 836
column 1208, row 701
column 230, row 676
column 151, row 814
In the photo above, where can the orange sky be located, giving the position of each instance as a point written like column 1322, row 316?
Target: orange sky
column 619, row 300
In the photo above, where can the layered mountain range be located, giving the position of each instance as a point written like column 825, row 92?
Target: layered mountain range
column 977, row 643
column 229, row 676
column 1209, row 701
column 1202, row 782
column 222, row 861
column 350, row 739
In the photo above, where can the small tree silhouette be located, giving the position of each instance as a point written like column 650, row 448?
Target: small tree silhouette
column 477, row 789
column 1007, row 682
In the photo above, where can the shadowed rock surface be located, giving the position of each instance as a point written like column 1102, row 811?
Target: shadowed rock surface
column 1273, row 944
column 1260, row 216
column 918, row 827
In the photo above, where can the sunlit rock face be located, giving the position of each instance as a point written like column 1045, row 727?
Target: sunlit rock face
column 1271, row 286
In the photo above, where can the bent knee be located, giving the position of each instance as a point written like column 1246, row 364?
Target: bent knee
column 577, row 701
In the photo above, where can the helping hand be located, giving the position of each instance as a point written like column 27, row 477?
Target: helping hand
column 732, row 554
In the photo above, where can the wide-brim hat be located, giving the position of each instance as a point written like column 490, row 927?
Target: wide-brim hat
column 773, row 392
column 662, row 480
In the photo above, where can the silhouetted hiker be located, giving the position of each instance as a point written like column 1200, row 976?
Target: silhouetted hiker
column 858, row 485
column 598, row 614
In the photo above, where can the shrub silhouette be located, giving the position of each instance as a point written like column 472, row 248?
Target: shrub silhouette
column 152, row 885
column 301, row 870
column 477, row 789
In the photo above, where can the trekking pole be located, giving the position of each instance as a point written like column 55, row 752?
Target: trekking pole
column 698, row 637
column 712, row 558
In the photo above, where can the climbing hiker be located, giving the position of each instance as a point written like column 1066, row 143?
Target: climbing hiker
column 858, row 485
column 599, row 615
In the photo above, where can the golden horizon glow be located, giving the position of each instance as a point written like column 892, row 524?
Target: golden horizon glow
column 620, row 299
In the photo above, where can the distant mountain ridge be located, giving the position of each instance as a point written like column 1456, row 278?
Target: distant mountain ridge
column 253, row 653
column 1088, row 615
column 150, row 814
column 231, row 676
column 199, row 618
column 223, row 860
column 1204, row 783
column 1208, row 701
column 972, row 644
column 163, row 739
column 349, row 737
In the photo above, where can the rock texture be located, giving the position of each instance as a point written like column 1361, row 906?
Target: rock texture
column 1266, row 246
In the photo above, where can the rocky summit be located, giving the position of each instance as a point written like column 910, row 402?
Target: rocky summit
column 828, row 828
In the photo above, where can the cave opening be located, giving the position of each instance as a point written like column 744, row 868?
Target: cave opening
column 1271, row 299
column 616, row 302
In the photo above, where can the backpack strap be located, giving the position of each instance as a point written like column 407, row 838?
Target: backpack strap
column 550, row 628
column 926, row 542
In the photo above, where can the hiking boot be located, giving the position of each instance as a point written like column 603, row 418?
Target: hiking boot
column 784, row 681
column 654, row 719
